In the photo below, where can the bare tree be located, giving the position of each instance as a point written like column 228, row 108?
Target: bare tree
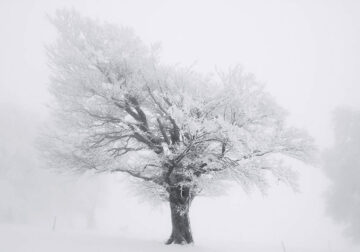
column 117, row 109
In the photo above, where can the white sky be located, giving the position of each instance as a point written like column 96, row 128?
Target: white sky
column 307, row 52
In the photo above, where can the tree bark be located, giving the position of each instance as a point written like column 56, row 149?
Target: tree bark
column 180, row 199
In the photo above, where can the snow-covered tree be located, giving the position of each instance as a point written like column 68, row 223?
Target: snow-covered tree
column 118, row 109
column 342, row 166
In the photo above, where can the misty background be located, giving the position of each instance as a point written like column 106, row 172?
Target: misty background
column 307, row 53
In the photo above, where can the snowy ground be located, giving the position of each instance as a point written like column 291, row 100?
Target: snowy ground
column 26, row 239
column 22, row 239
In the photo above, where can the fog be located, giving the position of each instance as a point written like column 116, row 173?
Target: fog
column 342, row 167
column 306, row 52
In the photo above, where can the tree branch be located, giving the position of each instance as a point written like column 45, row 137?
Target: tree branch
column 163, row 132
column 141, row 176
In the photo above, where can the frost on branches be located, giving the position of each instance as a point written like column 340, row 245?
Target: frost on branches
column 117, row 109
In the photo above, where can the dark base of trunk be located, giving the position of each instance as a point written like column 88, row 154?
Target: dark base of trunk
column 179, row 240
column 181, row 234
column 180, row 200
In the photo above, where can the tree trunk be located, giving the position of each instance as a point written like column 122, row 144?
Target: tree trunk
column 180, row 200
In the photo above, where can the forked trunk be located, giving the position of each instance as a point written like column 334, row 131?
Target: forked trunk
column 180, row 200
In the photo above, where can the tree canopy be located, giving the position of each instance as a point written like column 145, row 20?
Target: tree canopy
column 117, row 108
